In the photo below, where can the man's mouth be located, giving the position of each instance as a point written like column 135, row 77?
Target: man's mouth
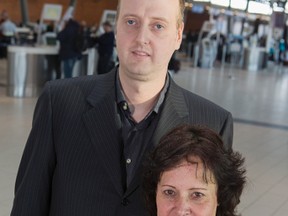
column 140, row 53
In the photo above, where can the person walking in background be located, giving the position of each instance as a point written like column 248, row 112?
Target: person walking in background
column 90, row 133
column 105, row 45
column 69, row 51
column 7, row 27
column 7, row 33
column 191, row 173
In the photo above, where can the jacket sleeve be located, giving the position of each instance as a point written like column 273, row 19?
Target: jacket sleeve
column 33, row 182
column 226, row 132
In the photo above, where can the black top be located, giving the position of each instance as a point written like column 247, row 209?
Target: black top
column 106, row 43
column 67, row 38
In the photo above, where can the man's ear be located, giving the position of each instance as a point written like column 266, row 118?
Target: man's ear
column 115, row 29
column 179, row 35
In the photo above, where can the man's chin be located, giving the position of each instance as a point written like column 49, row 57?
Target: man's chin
column 139, row 68
column 139, row 73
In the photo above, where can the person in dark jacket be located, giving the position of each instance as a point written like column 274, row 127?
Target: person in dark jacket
column 105, row 44
column 69, row 52
column 84, row 153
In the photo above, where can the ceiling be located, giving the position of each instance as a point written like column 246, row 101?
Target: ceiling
column 279, row 3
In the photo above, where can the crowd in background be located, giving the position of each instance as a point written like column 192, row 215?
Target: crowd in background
column 72, row 36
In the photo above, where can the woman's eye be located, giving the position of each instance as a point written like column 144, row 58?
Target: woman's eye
column 197, row 195
column 169, row 192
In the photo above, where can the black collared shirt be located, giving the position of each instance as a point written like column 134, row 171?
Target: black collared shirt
column 136, row 137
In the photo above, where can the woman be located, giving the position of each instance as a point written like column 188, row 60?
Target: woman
column 191, row 173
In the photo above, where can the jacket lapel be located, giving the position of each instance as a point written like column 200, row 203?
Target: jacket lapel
column 103, row 125
column 174, row 112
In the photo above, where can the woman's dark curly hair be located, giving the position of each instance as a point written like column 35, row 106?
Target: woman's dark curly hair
column 185, row 142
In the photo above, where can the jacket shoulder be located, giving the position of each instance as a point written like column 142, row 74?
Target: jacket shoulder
column 201, row 109
column 198, row 101
column 84, row 84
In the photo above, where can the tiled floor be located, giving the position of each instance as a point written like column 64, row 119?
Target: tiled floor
column 257, row 100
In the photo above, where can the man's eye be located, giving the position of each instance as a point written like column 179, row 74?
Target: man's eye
column 158, row 26
column 130, row 22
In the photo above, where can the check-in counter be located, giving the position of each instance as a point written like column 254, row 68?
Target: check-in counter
column 255, row 58
column 30, row 67
column 27, row 69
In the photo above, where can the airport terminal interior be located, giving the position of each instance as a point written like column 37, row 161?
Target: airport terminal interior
column 245, row 72
column 258, row 101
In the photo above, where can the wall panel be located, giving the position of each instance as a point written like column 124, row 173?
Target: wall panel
column 88, row 10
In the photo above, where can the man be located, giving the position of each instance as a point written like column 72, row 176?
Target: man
column 7, row 33
column 69, row 51
column 7, row 27
column 105, row 44
column 89, row 134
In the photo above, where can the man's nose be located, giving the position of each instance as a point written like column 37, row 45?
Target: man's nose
column 143, row 35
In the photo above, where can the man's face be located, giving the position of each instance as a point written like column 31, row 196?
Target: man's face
column 106, row 28
column 146, row 36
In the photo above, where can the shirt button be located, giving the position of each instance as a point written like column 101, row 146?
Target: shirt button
column 125, row 106
column 128, row 161
column 125, row 202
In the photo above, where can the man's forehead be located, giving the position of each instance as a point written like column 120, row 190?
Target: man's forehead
column 152, row 9
column 142, row 5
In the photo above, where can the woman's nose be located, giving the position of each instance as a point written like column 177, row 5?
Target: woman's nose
column 184, row 207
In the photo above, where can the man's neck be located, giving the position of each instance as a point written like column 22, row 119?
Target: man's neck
column 140, row 110
column 141, row 96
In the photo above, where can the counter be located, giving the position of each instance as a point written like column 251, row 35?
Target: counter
column 30, row 67
column 27, row 69
column 255, row 58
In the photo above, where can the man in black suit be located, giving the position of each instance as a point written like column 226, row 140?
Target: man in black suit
column 105, row 46
column 90, row 134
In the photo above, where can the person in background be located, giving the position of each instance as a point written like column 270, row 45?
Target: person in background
column 86, row 36
column 174, row 64
column 105, row 45
column 191, row 173
column 69, row 51
column 282, row 49
column 7, row 33
column 50, row 27
column 93, row 30
column 90, row 133
column 7, row 27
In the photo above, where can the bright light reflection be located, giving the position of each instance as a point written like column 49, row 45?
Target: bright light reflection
column 278, row 9
column 259, row 8
column 224, row 3
column 239, row 4
column 286, row 8
column 201, row 0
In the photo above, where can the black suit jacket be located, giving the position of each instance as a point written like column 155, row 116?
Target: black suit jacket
column 71, row 162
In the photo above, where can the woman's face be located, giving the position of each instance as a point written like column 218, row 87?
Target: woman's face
column 182, row 191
